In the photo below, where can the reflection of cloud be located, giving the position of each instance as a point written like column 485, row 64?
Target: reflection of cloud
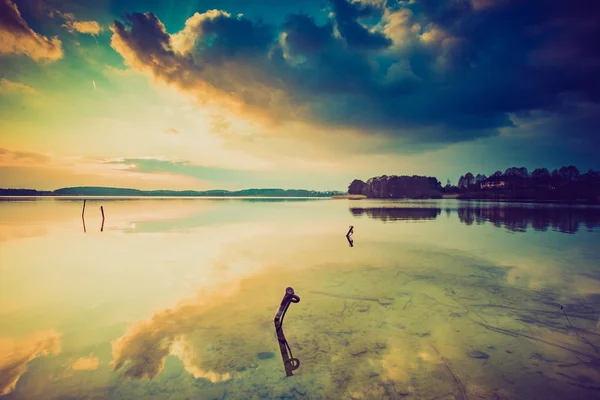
column 16, row 353
column 17, row 37
column 88, row 363
column 218, row 334
column 141, row 352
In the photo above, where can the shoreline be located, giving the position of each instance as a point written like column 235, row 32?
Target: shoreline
column 475, row 199
column 533, row 201
column 349, row 197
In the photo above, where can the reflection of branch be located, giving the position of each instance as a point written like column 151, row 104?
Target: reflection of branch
column 350, row 232
column 289, row 362
column 582, row 339
column 383, row 300
column 83, row 216
column 102, row 211
column 462, row 389
column 350, row 241
column 515, row 334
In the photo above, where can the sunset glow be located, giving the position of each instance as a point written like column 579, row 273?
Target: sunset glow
column 309, row 94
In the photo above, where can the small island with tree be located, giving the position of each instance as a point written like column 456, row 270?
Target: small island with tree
column 565, row 184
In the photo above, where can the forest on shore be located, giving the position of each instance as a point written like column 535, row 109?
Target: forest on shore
column 566, row 183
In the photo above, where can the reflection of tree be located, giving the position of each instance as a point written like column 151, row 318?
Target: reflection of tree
column 397, row 214
column 519, row 219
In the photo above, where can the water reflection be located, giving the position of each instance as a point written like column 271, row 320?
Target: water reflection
column 516, row 218
column 397, row 213
column 184, row 302
column 519, row 219
column 452, row 329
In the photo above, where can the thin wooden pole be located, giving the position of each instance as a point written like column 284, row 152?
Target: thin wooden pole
column 83, row 216
column 102, row 211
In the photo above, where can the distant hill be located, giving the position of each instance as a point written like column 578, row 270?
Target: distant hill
column 110, row 191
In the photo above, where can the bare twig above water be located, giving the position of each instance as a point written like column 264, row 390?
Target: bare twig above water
column 83, row 216
column 102, row 211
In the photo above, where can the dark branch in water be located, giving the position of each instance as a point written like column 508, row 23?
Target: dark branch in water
column 289, row 362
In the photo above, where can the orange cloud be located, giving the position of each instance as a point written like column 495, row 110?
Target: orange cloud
column 16, row 37
column 21, row 158
column 171, row 131
column 88, row 27
column 11, row 86
column 16, row 353
column 89, row 363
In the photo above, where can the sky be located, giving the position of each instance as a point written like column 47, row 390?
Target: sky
column 305, row 94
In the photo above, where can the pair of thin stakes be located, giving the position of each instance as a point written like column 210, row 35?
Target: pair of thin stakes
column 83, row 217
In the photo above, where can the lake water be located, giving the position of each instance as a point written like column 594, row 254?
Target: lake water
column 175, row 299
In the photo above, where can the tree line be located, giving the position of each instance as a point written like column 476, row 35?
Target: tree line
column 416, row 187
column 564, row 183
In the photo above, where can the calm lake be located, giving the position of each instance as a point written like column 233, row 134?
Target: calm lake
column 175, row 299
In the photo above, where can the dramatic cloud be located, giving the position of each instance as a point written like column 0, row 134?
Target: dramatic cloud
column 17, row 37
column 16, row 353
column 420, row 71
